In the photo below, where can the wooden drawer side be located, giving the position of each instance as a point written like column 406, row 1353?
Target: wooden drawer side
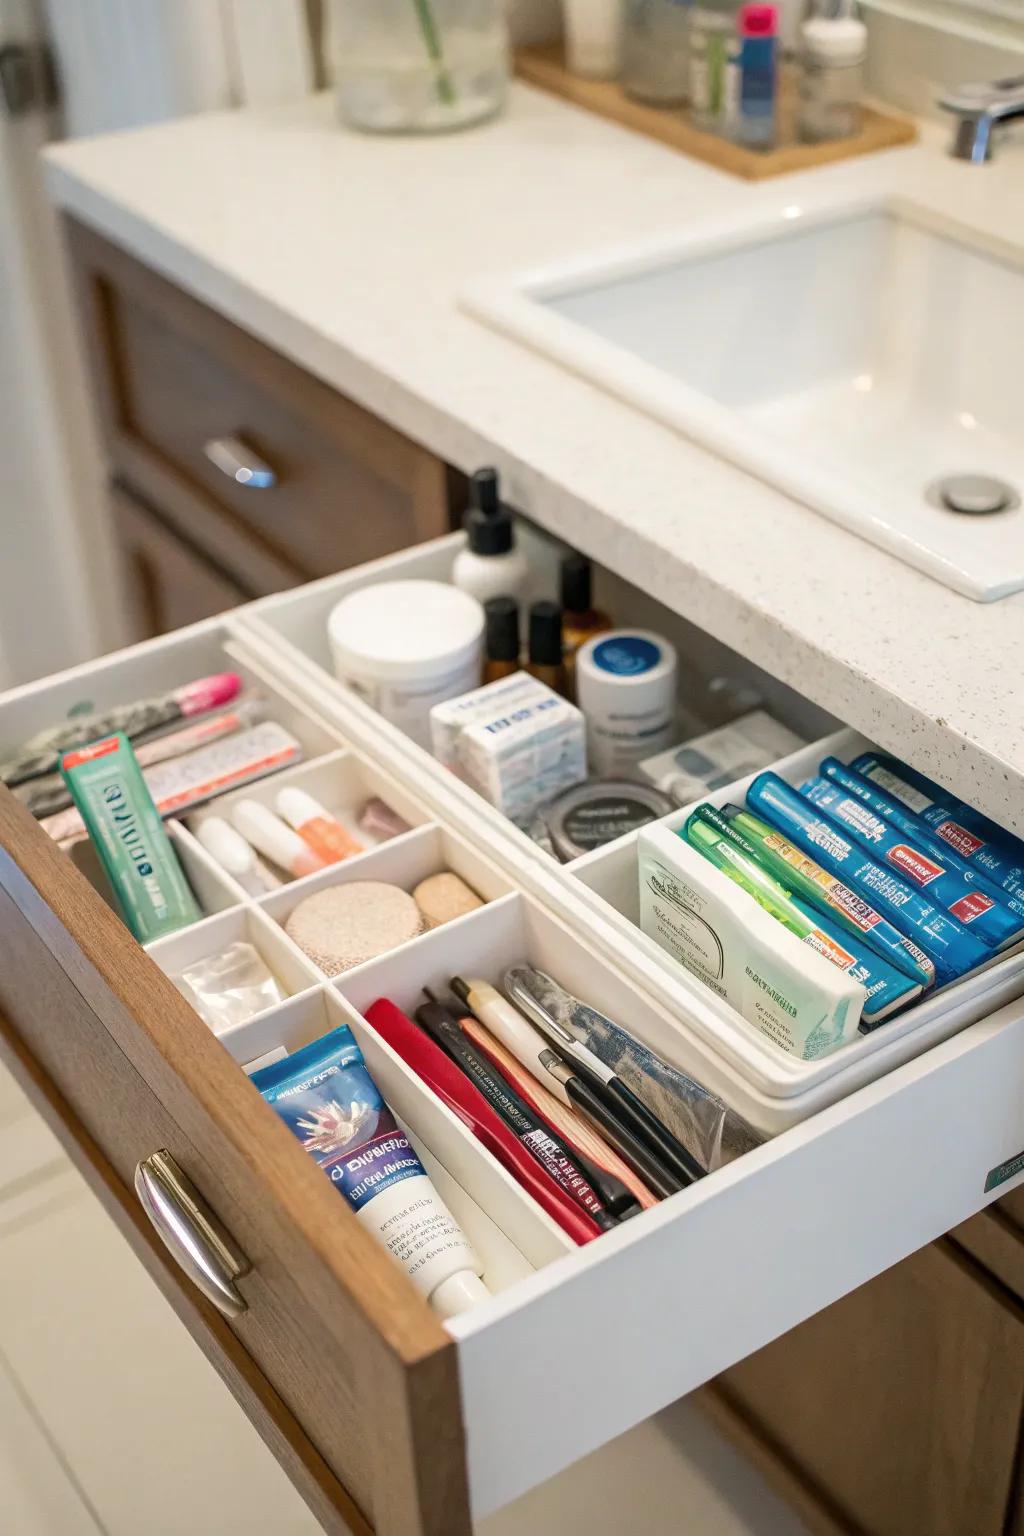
column 356, row 1356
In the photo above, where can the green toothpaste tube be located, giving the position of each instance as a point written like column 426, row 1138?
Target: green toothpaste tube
column 887, row 988
column 107, row 786
column 800, row 875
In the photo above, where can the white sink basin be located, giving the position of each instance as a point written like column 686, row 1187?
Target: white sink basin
column 853, row 357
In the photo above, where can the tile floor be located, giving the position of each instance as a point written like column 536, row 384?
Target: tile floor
column 113, row 1424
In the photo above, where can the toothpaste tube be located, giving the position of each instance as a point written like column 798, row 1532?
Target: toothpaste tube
column 962, row 898
column 887, row 988
column 953, row 950
column 994, row 853
column 127, row 833
column 327, row 1098
column 806, row 880
column 913, row 827
column 783, row 988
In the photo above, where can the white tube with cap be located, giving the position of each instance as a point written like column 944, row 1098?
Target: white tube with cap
column 230, row 850
column 274, row 840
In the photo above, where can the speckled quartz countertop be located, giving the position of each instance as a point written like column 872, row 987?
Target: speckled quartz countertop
column 347, row 253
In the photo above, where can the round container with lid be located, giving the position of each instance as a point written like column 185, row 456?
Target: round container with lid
column 405, row 646
column 833, row 53
column 626, row 688
column 597, row 812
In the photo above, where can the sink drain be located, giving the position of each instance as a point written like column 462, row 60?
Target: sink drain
column 974, row 495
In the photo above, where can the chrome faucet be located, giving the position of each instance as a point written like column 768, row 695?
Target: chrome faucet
column 978, row 108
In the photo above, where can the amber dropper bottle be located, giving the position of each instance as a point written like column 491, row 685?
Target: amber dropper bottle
column 545, row 663
column 580, row 621
column 502, row 638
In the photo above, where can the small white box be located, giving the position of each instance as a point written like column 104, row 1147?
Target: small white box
column 449, row 720
column 521, row 756
column 696, row 767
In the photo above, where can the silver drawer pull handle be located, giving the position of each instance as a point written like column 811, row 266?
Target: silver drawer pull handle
column 235, row 458
column 191, row 1232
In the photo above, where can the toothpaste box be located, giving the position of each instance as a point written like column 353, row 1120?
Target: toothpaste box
column 521, row 755
column 784, row 988
column 449, row 720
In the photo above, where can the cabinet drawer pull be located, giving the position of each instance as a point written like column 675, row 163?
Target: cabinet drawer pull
column 191, row 1232
column 234, row 458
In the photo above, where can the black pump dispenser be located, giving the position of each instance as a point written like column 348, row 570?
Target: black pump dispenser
column 488, row 524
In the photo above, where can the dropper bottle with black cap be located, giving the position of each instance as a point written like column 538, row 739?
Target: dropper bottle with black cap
column 490, row 565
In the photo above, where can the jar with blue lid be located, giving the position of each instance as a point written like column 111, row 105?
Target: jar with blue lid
column 626, row 687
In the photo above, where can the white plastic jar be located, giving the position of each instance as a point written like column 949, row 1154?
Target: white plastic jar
column 405, row 646
column 626, row 688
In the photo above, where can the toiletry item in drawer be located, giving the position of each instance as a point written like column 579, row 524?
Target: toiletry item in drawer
column 986, row 846
column 701, row 1121
column 405, row 646
column 346, row 924
column 799, row 874
column 523, row 1057
column 626, row 688
column 629, row 1107
column 596, row 812
column 578, row 1086
column 785, row 989
column 706, row 763
column 327, row 1098
column 228, row 848
column 948, row 944
column 229, row 987
column 886, row 988
column 274, row 839
column 544, row 646
column 128, row 834
column 182, row 783
column 437, row 1070
column 502, row 642
column 380, row 822
column 443, row 897
column 525, row 753
column 42, row 754
column 490, row 564
column 321, row 831
column 989, row 922
column 920, row 833
column 581, row 621
column 443, row 1027
column 47, row 796
column 449, row 719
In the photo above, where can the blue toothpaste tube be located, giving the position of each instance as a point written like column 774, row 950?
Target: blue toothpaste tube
column 994, row 853
column 327, row 1098
column 952, row 949
column 947, row 889
column 106, row 784
column 918, row 830
column 815, row 887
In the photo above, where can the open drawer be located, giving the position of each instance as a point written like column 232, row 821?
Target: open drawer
column 385, row 1418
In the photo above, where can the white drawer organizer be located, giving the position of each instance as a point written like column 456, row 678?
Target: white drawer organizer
column 681, row 1292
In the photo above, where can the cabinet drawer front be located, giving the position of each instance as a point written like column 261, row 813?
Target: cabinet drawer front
column 179, row 379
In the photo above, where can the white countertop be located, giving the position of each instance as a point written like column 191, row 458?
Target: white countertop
column 347, row 253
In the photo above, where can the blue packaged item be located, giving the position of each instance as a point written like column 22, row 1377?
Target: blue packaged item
column 947, row 889
column 327, row 1098
column 887, row 988
column 918, row 830
column 995, row 853
column 952, row 949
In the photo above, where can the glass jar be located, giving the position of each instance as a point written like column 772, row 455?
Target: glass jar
column 831, row 79
column 418, row 66
column 656, row 51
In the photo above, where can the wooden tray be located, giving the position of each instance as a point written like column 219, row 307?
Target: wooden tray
column 545, row 67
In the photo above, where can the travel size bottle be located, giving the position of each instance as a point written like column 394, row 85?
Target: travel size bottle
column 502, row 644
column 580, row 620
column 490, row 565
column 545, row 663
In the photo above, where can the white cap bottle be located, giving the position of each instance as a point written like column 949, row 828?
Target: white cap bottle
column 626, row 688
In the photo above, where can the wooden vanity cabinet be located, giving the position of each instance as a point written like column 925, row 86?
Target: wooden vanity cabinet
column 196, row 412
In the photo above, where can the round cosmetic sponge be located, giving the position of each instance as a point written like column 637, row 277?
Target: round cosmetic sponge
column 346, row 924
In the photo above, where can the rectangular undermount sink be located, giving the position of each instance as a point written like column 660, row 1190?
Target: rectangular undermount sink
column 866, row 359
